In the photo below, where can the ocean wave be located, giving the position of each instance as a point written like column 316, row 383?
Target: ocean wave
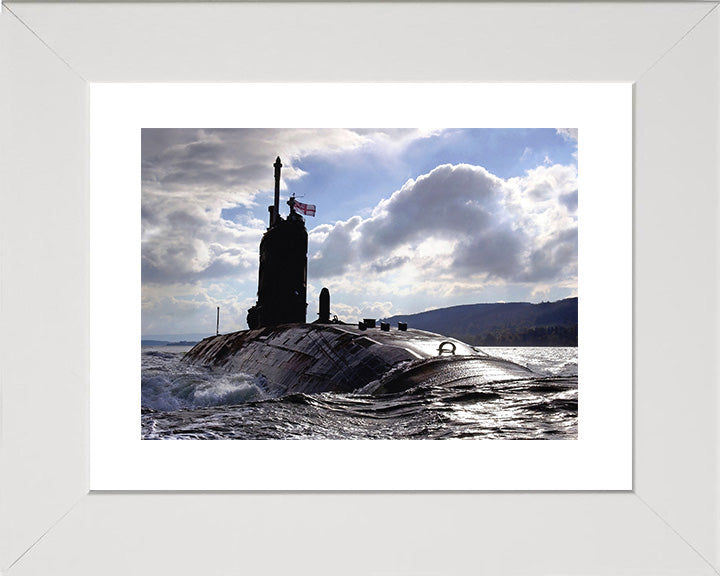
column 185, row 401
column 184, row 391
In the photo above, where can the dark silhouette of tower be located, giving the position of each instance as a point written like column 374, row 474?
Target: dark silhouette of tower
column 324, row 306
column 282, row 277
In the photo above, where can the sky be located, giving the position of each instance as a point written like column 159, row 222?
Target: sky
column 407, row 220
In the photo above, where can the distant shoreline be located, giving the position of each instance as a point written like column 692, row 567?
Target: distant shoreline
column 507, row 324
column 159, row 343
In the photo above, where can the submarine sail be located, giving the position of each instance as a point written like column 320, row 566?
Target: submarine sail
column 282, row 274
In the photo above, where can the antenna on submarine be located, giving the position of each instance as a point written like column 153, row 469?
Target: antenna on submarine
column 217, row 325
column 276, row 206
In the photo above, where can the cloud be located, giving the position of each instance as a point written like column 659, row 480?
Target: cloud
column 452, row 233
column 390, row 263
column 496, row 253
column 554, row 258
column 189, row 177
column 458, row 222
column 186, row 308
column 436, row 205
column 568, row 133
column 364, row 309
column 570, row 200
column 184, row 242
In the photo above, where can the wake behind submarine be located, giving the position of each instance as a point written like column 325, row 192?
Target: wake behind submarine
column 291, row 356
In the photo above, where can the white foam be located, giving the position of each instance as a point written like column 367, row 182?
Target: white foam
column 179, row 390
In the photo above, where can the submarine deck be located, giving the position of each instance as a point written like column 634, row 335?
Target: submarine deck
column 311, row 358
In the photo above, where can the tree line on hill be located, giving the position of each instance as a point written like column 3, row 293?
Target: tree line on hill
column 502, row 324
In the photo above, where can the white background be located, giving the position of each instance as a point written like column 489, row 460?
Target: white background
column 600, row 459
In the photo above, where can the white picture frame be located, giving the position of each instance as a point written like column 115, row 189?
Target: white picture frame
column 668, row 523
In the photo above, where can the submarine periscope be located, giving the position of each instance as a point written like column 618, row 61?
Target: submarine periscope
column 292, row 356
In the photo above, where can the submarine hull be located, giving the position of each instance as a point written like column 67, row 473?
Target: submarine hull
column 313, row 358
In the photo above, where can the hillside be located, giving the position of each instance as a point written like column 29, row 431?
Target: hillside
column 503, row 324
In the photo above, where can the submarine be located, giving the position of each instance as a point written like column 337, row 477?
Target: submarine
column 291, row 356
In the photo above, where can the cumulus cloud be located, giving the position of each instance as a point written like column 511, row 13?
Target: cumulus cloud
column 189, row 177
column 459, row 222
column 436, row 205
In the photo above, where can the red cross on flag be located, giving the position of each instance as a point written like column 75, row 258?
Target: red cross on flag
column 307, row 209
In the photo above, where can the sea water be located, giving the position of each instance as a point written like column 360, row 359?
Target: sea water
column 185, row 401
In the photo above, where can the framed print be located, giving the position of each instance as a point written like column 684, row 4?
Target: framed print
column 56, row 59
column 119, row 113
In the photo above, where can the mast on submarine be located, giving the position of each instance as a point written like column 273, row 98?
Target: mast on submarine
column 282, row 275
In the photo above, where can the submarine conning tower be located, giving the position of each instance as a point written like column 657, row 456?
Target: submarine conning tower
column 282, row 275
